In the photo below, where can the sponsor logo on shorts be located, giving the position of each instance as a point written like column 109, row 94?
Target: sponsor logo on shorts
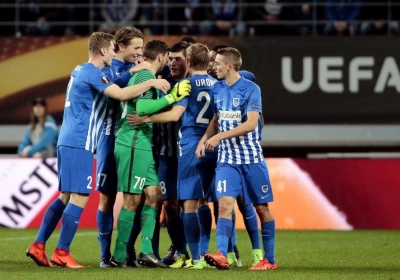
column 265, row 188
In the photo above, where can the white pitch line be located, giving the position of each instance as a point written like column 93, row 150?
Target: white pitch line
column 33, row 236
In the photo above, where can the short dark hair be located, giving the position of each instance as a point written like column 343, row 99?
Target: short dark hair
column 153, row 48
column 189, row 39
column 179, row 46
column 39, row 100
column 219, row 46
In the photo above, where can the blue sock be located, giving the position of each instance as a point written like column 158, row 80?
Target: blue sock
column 205, row 228
column 251, row 223
column 50, row 220
column 105, row 225
column 69, row 225
column 136, row 228
column 177, row 234
column 155, row 242
column 232, row 240
column 224, row 232
column 191, row 224
column 230, row 247
column 268, row 239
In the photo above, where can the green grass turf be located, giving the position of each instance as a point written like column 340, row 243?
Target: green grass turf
column 300, row 255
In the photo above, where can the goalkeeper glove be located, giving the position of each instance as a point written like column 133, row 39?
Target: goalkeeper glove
column 181, row 90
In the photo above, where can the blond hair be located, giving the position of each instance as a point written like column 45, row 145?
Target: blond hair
column 199, row 56
column 99, row 40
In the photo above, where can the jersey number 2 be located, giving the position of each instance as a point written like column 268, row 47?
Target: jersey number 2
column 203, row 110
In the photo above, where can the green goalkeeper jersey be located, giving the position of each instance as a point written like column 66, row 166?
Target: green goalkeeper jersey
column 138, row 137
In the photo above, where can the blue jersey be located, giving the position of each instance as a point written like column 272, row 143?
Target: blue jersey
column 107, row 178
column 85, row 108
column 113, row 106
column 231, row 104
column 198, row 112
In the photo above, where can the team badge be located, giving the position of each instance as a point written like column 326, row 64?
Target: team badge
column 264, row 188
column 105, row 80
column 236, row 101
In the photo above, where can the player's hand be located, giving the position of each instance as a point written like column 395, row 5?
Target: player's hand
column 181, row 90
column 138, row 67
column 138, row 59
column 135, row 119
column 200, row 151
column 161, row 84
column 212, row 143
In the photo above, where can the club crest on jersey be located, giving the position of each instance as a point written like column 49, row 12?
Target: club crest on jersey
column 105, row 80
column 264, row 188
column 236, row 101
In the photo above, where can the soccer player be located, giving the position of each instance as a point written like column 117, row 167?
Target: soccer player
column 136, row 166
column 194, row 175
column 166, row 151
column 167, row 154
column 247, row 210
column 241, row 168
column 84, row 113
column 129, row 46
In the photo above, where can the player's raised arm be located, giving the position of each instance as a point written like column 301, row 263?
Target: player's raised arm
column 149, row 107
column 133, row 91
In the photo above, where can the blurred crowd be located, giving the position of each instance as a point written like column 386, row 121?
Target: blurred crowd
column 205, row 17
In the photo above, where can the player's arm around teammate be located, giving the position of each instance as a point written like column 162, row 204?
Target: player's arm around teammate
column 129, row 92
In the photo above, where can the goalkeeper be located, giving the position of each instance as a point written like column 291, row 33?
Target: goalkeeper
column 135, row 162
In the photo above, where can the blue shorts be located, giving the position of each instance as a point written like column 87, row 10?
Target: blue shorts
column 167, row 174
column 107, row 178
column 250, row 180
column 211, row 195
column 195, row 176
column 75, row 170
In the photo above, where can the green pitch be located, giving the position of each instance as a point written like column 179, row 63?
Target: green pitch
column 300, row 255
